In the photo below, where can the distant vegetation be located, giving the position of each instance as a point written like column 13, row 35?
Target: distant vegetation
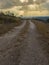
column 42, row 20
column 48, row 20
column 9, row 18
column 8, row 22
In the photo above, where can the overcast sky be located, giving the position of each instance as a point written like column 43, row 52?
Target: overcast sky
column 13, row 5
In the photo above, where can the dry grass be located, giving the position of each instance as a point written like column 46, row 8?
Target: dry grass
column 5, row 28
column 43, row 29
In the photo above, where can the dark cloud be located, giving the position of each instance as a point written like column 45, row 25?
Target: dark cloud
column 46, row 5
column 40, row 1
column 10, row 3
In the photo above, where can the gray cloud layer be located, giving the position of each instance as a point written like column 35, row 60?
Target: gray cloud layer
column 10, row 3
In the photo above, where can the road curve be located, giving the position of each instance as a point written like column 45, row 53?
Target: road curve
column 7, row 43
column 30, row 52
column 11, row 34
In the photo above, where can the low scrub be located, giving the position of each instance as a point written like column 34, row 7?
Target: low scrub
column 8, row 22
column 43, row 28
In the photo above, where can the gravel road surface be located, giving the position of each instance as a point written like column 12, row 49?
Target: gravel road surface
column 30, row 52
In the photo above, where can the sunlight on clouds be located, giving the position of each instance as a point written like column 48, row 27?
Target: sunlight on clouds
column 27, row 13
column 23, row 1
column 37, row 13
column 21, row 12
column 33, row 7
column 34, row 1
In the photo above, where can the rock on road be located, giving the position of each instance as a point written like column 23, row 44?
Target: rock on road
column 30, row 54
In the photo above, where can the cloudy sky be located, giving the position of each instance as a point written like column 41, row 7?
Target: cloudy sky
column 34, row 7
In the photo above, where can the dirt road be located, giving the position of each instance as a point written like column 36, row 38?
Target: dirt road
column 30, row 52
